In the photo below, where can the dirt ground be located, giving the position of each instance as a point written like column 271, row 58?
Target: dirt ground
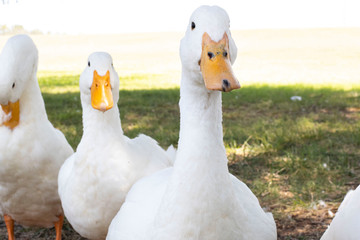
column 302, row 224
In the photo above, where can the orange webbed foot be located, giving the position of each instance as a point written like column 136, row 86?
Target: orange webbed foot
column 58, row 227
column 9, row 226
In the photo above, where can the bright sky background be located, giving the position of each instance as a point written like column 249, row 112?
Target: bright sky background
column 119, row 16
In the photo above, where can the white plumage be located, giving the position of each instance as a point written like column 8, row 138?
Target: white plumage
column 197, row 198
column 94, row 181
column 32, row 152
column 346, row 223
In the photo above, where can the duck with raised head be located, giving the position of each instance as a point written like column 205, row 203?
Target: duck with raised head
column 197, row 198
column 31, row 149
column 94, row 181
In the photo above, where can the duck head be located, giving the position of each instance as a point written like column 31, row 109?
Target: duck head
column 18, row 66
column 99, row 82
column 209, row 49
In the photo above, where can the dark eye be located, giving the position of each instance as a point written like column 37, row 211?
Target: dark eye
column 192, row 25
column 225, row 54
column 13, row 86
column 89, row 63
column 211, row 55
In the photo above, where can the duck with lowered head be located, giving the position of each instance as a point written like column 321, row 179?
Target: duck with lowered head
column 31, row 149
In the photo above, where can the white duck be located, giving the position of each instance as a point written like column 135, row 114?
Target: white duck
column 31, row 149
column 94, row 181
column 346, row 223
column 197, row 198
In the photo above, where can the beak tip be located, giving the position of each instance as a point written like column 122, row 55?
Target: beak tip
column 227, row 86
column 104, row 107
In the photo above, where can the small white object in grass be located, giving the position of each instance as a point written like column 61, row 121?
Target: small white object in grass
column 322, row 203
column 296, row 98
column 331, row 214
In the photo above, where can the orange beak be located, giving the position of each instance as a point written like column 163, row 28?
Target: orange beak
column 14, row 109
column 101, row 95
column 215, row 65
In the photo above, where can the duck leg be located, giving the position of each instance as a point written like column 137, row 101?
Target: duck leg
column 9, row 226
column 58, row 226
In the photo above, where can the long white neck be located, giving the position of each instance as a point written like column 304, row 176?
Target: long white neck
column 201, row 145
column 97, row 124
column 32, row 107
column 200, row 181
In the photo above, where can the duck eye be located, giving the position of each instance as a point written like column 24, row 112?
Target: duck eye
column 13, row 86
column 192, row 25
column 89, row 63
column 211, row 55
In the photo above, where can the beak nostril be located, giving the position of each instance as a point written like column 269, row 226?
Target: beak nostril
column 211, row 55
column 226, row 83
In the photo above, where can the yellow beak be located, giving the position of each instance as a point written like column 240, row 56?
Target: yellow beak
column 14, row 109
column 215, row 65
column 101, row 95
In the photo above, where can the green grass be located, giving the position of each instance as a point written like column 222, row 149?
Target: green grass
column 291, row 154
column 308, row 148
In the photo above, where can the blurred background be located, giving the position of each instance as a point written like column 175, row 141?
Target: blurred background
column 319, row 40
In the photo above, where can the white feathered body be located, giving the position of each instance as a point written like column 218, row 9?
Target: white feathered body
column 30, row 158
column 93, row 184
column 346, row 223
column 197, row 198
column 224, row 218
column 94, row 181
